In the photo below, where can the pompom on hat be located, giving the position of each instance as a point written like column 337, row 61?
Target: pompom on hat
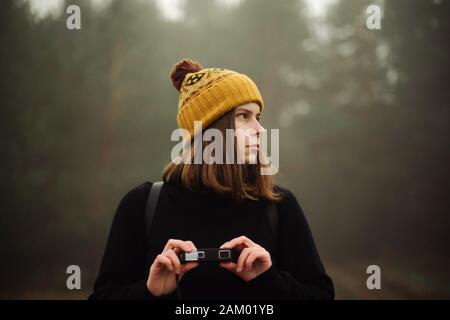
column 206, row 94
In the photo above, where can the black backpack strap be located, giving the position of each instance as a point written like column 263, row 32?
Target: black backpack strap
column 150, row 208
column 273, row 217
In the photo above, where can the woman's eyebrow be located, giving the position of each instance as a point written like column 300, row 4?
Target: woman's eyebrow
column 247, row 110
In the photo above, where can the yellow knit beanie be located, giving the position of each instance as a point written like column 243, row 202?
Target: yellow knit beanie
column 208, row 93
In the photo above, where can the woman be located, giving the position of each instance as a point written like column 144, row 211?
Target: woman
column 213, row 205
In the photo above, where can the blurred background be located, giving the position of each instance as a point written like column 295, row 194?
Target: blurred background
column 363, row 114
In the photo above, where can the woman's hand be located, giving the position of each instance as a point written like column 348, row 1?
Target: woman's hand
column 161, row 279
column 252, row 261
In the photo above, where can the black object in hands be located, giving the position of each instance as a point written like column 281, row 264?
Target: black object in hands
column 210, row 255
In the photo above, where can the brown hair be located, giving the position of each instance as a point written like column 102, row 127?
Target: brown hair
column 236, row 181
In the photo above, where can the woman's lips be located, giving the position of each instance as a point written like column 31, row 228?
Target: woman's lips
column 254, row 146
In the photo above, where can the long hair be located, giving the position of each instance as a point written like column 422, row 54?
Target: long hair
column 236, row 181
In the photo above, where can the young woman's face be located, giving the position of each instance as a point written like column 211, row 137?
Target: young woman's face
column 248, row 131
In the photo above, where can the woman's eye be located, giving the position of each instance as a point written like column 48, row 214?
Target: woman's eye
column 242, row 116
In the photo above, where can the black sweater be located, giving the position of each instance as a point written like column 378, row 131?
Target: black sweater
column 209, row 220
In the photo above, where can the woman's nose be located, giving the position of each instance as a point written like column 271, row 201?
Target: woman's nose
column 259, row 128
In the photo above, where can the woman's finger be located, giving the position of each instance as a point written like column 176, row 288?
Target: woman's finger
column 176, row 250
column 175, row 243
column 242, row 240
column 255, row 254
column 242, row 258
column 162, row 260
column 175, row 261
column 190, row 243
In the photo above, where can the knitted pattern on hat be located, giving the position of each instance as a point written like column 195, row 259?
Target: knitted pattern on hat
column 208, row 94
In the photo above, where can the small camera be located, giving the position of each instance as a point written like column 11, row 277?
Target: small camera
column 210, row 255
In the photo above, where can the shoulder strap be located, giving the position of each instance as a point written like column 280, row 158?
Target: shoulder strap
column 150, row 208
column 152, row 202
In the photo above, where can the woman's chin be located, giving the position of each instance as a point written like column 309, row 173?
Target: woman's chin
column 251, row 158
